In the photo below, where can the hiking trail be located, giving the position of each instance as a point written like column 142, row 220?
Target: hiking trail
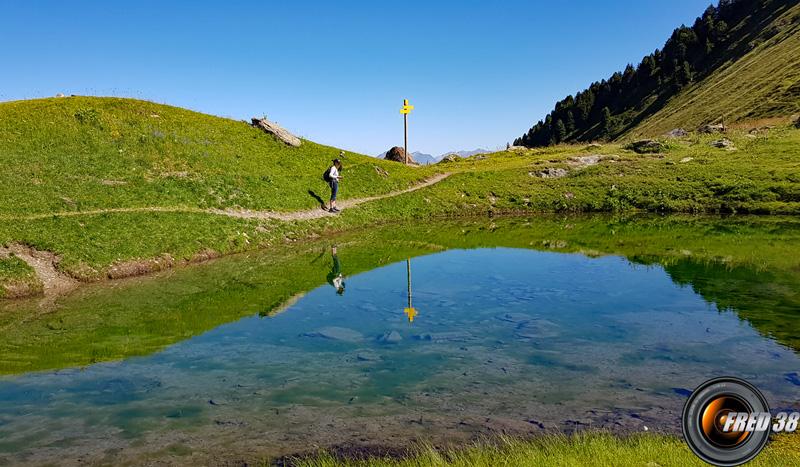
column 308, row 214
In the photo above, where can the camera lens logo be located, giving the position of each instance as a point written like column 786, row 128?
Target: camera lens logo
column 726, row 421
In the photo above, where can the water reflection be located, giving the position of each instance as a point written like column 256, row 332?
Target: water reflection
column 516, row 338
column 335, row 277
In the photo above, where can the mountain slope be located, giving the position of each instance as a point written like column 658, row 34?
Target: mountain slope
column 763, row 83
column 737, row 61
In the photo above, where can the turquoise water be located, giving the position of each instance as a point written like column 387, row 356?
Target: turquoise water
column 505, row 341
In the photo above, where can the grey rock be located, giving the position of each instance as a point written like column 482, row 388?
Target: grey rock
column 278, row 131
column 450, row 158
column 515, row 318
column 367, row 357
column 646, row 146
column 336, row 333
column 390, row 337
column 537, row 329
column 723, row 143
column 584, row 161
column 443, row 336
column 552, row 172
column 677, row 133
column 713, row 128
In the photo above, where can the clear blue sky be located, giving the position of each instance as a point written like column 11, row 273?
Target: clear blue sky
column 479, row 73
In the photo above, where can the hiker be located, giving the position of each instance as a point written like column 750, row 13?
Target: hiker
column 335, row 277
column 332, row 176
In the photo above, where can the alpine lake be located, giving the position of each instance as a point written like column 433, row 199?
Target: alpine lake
column 441, row 332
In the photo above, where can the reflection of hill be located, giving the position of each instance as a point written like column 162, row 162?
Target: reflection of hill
column 748, row 265
column 769, row 300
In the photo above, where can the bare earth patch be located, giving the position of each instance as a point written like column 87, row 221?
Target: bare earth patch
column 45, row 264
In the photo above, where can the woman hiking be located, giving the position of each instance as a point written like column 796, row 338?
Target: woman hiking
column 332, row 178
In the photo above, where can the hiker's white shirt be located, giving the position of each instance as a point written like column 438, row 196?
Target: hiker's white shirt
column 334, row 173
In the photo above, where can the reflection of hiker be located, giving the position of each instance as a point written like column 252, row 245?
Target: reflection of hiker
column 335, row 277
column 332, row 176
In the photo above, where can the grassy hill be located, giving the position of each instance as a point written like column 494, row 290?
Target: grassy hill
column 763, row 83
column 81, row 153
column 738, row 61
column 118, row 187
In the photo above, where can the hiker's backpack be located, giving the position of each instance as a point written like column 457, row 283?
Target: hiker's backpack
column 326, row 177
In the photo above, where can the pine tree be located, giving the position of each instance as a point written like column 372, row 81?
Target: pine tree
column 607, row 122
column 560, row 132
column 570, row 122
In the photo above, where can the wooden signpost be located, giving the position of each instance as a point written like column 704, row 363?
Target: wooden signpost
column 405, row 111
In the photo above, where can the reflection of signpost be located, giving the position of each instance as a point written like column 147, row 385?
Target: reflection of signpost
column 405, row 111
column 410, row 311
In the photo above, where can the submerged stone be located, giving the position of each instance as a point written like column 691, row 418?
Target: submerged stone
column 336, row 333
column 515, row 318
column 390, row 337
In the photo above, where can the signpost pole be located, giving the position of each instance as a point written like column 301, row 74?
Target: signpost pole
column 405, row 130
column 408, row 269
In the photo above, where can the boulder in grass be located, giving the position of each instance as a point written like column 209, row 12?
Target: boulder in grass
column 396, row 154
column 713, row 128
column 278, row 131
column 723, row 143
column 450, row 158
column 677, row 133
column 552, row 172
column 646, row 146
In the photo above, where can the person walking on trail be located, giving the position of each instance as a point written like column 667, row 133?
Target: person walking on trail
column 335, row 277
column 333, row 176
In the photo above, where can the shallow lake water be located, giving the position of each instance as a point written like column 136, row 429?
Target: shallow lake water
column 503, row 341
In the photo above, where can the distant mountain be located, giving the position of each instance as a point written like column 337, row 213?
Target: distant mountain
column 418, row 157
column 737, row 61
column 425, row 159
column 422, row 158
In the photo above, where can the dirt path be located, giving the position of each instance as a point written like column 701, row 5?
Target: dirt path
column 315, row 213
column 56, row 283
column 44, row 263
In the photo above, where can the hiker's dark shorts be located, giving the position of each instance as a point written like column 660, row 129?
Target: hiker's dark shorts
column 334, row 189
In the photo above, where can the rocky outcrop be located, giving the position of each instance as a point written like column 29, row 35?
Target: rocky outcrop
column 396, row 154
column 723, row 143
column 276, row 130
column 713, row 128
column 450, row 158
column 677, row 133
column 552, row 172
column 646, row 146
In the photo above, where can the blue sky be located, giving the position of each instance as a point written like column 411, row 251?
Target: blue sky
column 478, row 73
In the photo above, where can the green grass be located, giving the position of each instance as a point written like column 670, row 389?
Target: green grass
column 747, row 265
column 17, row 278
column 596, row 449
column 84, row 153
